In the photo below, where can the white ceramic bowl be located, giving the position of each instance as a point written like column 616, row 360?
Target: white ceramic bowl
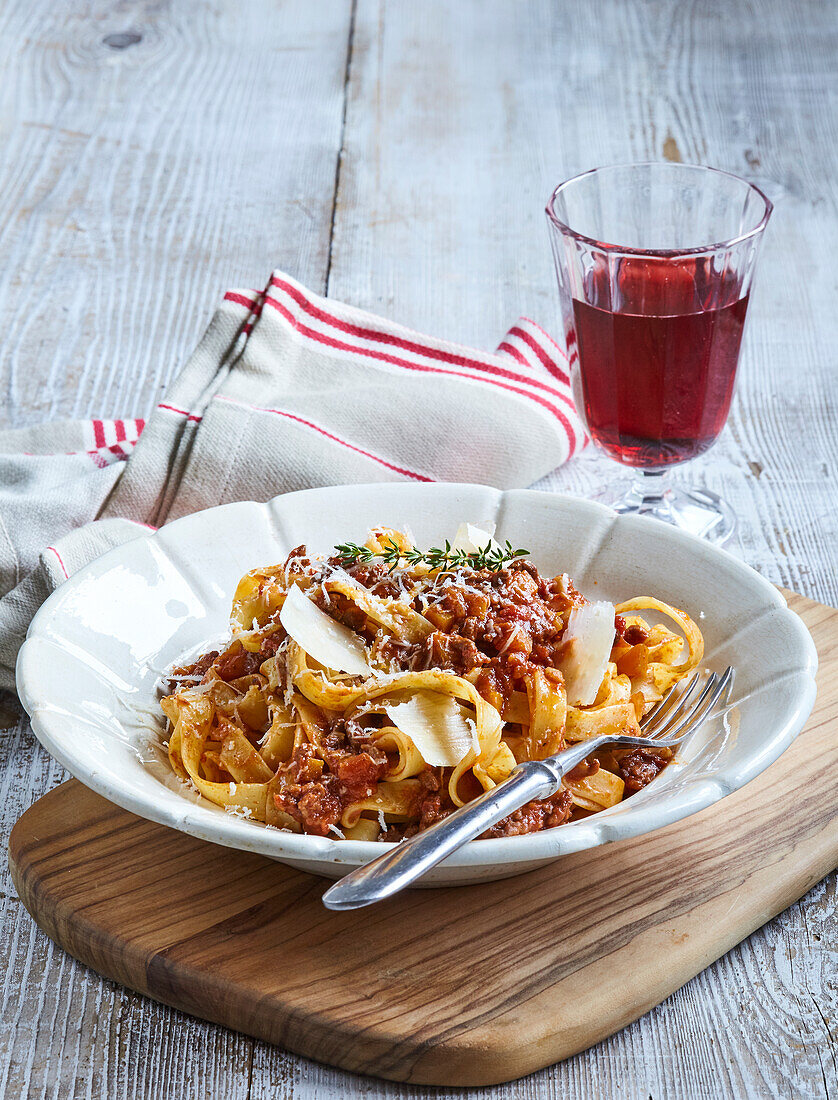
column 88, row 670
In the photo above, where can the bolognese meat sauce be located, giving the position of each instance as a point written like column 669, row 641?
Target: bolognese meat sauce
column 494, row 628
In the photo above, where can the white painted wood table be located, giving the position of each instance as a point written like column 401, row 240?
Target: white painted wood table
column 398, row 155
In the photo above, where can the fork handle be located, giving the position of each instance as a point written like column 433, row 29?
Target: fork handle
column 412, row 858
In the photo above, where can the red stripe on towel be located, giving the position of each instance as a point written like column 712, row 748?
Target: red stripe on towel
column 546, row 336
column 340, row 345
column 60, row 562
column 330, row 435
column 507, row 349
column 413, row 346
column 181, row 412
column 243, row 300
column 546, row 360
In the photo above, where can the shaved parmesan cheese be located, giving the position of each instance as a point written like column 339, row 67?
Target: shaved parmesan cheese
column 327, row 641
column 472, row 539
column 437, row 725
column 588, row 641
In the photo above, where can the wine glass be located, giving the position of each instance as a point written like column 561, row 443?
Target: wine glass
column 655, row 264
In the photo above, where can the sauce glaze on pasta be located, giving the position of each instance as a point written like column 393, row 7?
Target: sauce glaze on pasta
column 263, row 730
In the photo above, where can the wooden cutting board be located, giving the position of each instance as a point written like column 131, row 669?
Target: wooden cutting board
column 458, row 986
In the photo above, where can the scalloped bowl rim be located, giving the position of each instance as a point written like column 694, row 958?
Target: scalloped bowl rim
column 204, row 821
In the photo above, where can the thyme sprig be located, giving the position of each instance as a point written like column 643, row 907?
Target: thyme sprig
column 436, row 558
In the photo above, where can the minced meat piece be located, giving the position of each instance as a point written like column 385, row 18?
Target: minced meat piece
column 640, row 767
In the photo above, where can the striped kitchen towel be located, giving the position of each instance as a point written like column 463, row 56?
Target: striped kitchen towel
column 286, row 390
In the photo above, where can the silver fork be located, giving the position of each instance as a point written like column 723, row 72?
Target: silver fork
column 667, row 725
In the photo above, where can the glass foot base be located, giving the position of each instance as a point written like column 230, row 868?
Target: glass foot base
column 695, row 510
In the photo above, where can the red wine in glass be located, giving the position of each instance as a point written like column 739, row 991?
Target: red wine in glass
column 655, row 264
column 654, row 358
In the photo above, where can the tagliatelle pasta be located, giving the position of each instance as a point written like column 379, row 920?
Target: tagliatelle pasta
column 451, row 666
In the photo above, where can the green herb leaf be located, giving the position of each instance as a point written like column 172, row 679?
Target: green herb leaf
column 351, row 552
column 437, row 559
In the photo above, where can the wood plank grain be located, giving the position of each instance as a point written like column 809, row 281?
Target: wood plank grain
column 462, row 118
column 528, row 96
column 139, row 179
column 749, row 86
column 153, row 156
column 465, row 986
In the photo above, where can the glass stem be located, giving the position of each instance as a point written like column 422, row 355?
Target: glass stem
column 648, row 488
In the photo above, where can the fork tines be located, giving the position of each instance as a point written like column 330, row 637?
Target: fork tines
column 673, row 718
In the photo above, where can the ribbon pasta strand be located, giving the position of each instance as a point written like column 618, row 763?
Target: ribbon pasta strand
column 264, row 730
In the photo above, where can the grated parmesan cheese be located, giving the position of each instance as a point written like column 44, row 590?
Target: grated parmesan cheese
column 201, row 689
column 239, row 811
column 512, row 635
